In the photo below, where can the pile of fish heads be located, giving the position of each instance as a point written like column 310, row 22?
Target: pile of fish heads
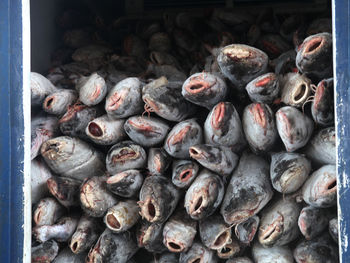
column 186, row 138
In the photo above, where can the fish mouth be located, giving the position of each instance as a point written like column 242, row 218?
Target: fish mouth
column 286, row 123
column 237, row 53
column 145, row 236
column 112, row 222
column 49, row 102
column 271, row 47
column 197, row 206
column 229, row 250
column 125, row 154
column 329, row 187
column 115, row 101
column 272, row 232
column 300, row 93
column 150, row 210
column 186, row 175
column 198, row 259
column 196, row 153
column 198, row 84
column 143, row 127
column 259, row 116
column 313, row 45
column 157, row 163
column 53, row 188
column 94, row 129
column 218, row 115
column 222, row 239
column 75, row 246
column 96, row 92
column 180, row 136
column 264, row 81
column 37, row 216
column 72, row 111
column 174, row 246
column 319, row 94
column 116, row 178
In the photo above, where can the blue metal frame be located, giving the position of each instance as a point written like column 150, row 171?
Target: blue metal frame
column 341, row 18
column 12, row 132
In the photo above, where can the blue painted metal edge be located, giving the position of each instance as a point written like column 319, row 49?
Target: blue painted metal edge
column 13, row 204
column 341, row 57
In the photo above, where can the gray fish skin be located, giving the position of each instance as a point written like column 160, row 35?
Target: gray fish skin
column 150, row 236
column 242, row 63
column 47, row 212
column 230, row 250
column 122, row 216
column 276, row 254
column 312, row 221
column 204, row 89
column 165, row 99
column 163, row 58
column 179, row 232
column 92, row 90
column 106, row 131
column 91, row 52
column 125, row 99
column 135, row 46
column 321, row 148
column 45, row 252
column 320, row 25
column 333, row 229
column 160, row 42
column 67, row 256
column 318, row 250
column 288, row 171
column 57, row 103
column 40, row 88
column 158, row 161
column 279, row 223
column 145, row 131
column 240, row 260
column 314, row 55
column 245, row 231
column 264, row 89
column 182, row 136
column 158, row 199
column 167, row 257
column 184, row 172
column 248, row 191
column 219, row 159
column 320, row 189
column 322, row 107
column 223, row 127
column 214, row 232
column 43, row 128
column 285, row 63
column 72, row 157
column 204, row 195
column 65, row 190
column 39, row 173
column 126, row 183
column 273, row 44
column 170, row 72
column 125, row 155
column 95, row 199
column 61, row 231
column 85, row 235
column 76, row 38
column 198, row 252
column 75, row 120
column 294, row 128
column 259, row 127
column 112, row 247
column 295, row 89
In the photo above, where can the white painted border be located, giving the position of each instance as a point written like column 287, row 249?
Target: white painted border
column 27, row 237
column 341, row 236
